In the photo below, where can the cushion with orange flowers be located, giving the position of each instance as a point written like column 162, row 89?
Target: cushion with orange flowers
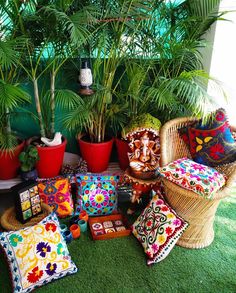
column 56, row 193
column 158, row 228
column 37, row 255
column 199, row 178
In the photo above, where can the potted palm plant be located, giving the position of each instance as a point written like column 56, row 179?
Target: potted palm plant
column 54, row 31
column 108, row 54
column 13, row 97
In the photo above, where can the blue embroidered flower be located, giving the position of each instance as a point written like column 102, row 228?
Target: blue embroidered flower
column 51, row 268
column 43, row 248
column 15, row 239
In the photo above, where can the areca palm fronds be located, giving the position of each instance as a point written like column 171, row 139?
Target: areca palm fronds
column 12, row 96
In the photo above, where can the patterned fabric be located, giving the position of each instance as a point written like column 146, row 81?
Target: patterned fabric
column 190, row 175
column 211, row 144
column 56, row 193
column 37, row 255
column 97, row 194
column 158, row 229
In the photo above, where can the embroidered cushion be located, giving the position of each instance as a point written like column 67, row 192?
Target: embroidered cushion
column 37, row 255
column 199, row 178
column 56, row 193
column 211, row 144
column 158, row 228
column 97, row 194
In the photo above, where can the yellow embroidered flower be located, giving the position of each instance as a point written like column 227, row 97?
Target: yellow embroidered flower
column 200, row 142
column 170, row 216
column 161, row 239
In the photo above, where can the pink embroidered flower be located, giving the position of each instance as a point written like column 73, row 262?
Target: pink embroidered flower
column 198, row 167
column 155, row 247
column 176, row 222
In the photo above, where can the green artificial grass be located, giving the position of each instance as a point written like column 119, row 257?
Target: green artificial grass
column 119, row 265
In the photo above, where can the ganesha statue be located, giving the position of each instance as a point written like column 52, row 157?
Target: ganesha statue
column 142, row 135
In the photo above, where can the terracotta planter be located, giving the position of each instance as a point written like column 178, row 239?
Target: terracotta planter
column 122, row 148
column 50, row 160
column 10, row 163
column 97, row 155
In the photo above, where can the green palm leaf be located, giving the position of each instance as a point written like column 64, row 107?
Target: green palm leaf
column 11, row 96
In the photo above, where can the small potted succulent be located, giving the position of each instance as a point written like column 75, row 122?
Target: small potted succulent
column 28, row 159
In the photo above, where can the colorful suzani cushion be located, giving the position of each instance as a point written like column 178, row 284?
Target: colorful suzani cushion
column 211, row 144
column 196, row 177
column 37, row 255
column 97, row 194
column 56, row 193
column 158, row 228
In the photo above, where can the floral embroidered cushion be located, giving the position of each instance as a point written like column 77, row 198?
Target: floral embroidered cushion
column 37, row 255
column 199, row 178
column 158, row 228
column 97, row 194
column 56, row 193
column 211, row 144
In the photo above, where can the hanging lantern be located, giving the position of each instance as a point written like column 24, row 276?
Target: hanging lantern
column 85, row 79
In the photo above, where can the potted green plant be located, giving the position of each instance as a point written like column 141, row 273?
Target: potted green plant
column 54, row 31
column 28, row 159
column 169, row 80
column 13, row 97
column 93, row 116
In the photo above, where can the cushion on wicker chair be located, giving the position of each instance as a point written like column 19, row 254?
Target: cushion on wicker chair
column 211, row 144
column 158, row 229
column 199, row 178
column 37, row 255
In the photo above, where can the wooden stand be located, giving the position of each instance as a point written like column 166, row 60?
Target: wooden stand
column 139, row 188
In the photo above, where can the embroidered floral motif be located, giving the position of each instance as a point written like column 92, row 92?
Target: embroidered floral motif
column 60, row 249
column 97, row 194
column 50, row 227
column 51, row 268
column 43, row 248
column 158, row 228
column 15, row 239
column 201, row 179
column 213, row 143
column 56, row 193
column 35, row 275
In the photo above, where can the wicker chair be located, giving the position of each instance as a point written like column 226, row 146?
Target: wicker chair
column 198, row 211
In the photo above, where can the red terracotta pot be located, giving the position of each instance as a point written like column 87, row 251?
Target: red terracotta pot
column 97, row 155
column 10, row 163
column 122, row 148
column 50, row 160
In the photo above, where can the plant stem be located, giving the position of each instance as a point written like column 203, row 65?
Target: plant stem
column 38, row 106
column 52, row 101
